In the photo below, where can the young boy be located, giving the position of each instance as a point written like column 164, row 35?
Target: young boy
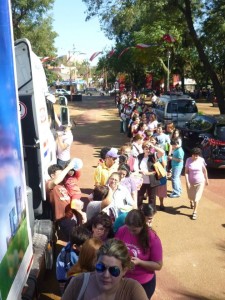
column 69, row 254
column 177, row 163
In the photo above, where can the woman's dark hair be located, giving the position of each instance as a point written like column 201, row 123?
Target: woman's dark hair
column 124, row 167
column 100, row 192
column 173, row 133
column 103, row 219
column 148, row 210
column 140, row 126
column 136, row 218
column 103, row 152
column 196, row 151
column 123, row 158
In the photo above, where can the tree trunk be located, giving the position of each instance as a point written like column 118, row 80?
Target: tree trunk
column 203, row 57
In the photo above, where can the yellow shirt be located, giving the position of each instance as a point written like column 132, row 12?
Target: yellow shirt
column 102, row 173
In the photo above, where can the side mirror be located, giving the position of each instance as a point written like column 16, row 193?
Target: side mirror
column 63, row 100
column 64, row 116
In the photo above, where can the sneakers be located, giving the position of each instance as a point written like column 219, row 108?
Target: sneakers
column 172, row 195
column 194, row 216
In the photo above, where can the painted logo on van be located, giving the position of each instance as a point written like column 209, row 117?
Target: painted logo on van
column 23, row 110
column 42, row 115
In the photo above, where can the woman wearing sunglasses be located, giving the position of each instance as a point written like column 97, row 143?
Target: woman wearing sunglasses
column 107, row 282
column 145, row 249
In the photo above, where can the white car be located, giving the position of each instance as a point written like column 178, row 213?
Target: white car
column 94, row 92
column 61, row 92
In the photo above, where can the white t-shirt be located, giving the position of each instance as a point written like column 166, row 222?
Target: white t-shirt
column 67, row 138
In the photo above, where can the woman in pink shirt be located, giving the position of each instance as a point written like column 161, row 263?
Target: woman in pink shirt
column 145, row 249
column 196, row 177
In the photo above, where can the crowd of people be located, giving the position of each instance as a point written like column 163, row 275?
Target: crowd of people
column 110, row 250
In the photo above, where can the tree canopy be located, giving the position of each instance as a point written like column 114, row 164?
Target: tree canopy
column 31, row 21
column 198, row 27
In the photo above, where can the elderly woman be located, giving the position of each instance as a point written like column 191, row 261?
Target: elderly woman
column 128, row 181
column 107, row 282
column 145, row 165
column 121, row 197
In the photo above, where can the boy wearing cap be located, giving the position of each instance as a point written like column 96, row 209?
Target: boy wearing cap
column 110, row 165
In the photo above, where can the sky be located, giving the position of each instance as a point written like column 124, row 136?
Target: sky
column 74, row 32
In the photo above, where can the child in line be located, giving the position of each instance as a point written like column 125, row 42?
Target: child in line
column 177, row 163
column 68, row 256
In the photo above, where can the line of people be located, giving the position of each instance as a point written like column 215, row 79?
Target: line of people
column 114, row 238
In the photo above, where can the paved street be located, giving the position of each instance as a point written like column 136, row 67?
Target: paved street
column 194, row 251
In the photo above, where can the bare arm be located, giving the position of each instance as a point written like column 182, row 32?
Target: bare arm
column 205, row 172
column 60, row 143
column 186, row 177
column 59, row 178
column 148, row 265
column 160, row 152
column 108, row 199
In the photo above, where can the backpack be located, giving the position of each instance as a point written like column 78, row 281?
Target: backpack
column 65, row 260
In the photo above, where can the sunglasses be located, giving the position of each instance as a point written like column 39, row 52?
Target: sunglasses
column 114, row 271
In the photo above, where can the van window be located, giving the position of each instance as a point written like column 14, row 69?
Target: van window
column 182, row 107
column 160, row 105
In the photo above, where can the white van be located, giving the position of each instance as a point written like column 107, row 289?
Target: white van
column 177, row 108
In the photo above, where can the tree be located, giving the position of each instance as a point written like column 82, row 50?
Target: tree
column 199, row 47
column 30, row 20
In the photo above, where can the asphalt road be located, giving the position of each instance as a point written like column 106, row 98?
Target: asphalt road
column 194, row 251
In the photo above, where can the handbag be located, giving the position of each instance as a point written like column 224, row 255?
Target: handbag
column 160, row 171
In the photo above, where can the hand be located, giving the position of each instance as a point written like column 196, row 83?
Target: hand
column 151, row 145
column 135, row 260
column 207, row 182
column 170, row 157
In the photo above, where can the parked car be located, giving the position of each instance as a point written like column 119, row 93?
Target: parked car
column 177, row 108
column 94, row 92
column 113, row 92
column 61, row 92
column 208, row 133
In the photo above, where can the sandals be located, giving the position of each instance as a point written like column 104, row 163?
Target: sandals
column 194, row 216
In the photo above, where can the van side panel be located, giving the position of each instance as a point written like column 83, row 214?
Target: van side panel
column 32, row 82
column 31, row 153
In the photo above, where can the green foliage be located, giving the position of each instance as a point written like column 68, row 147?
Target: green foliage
column 31, row 21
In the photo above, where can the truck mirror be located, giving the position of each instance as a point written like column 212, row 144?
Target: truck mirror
column 63, row 100
column 64, row 116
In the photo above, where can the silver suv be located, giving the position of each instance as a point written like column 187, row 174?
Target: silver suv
column 94, row 92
